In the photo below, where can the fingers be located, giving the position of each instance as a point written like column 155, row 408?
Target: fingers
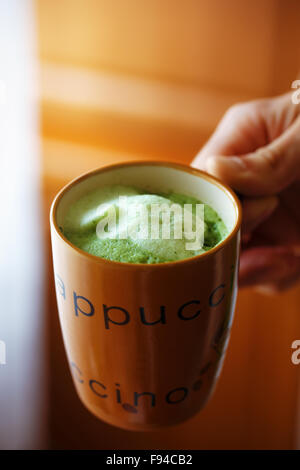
column 241, row 131
column 272, row 267
column 256, row 210
column 264, row 172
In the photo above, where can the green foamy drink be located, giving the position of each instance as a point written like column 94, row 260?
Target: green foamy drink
column 129, row 225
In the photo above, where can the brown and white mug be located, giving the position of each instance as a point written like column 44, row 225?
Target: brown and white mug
column 146, row 342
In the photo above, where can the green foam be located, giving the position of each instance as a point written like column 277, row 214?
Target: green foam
column 79, row 227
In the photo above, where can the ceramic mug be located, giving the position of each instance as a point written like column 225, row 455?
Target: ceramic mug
column 146, row 342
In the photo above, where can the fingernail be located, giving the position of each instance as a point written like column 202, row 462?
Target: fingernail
column 215, row 164
column 267, row 289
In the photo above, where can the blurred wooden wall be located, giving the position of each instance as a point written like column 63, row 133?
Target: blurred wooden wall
column 123, row 80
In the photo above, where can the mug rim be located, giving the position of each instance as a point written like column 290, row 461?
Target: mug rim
column 179, row 166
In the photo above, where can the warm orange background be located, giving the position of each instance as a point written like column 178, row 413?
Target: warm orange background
column 123, row 80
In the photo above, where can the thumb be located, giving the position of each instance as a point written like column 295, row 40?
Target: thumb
column 266, row 171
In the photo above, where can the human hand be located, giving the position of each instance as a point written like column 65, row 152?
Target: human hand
column 256, row 150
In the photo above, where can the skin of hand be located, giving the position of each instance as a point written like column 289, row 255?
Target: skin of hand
column 256, row 150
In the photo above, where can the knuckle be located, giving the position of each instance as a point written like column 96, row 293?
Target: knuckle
column 261, row 104
column 236, row 109
column 244, row 107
